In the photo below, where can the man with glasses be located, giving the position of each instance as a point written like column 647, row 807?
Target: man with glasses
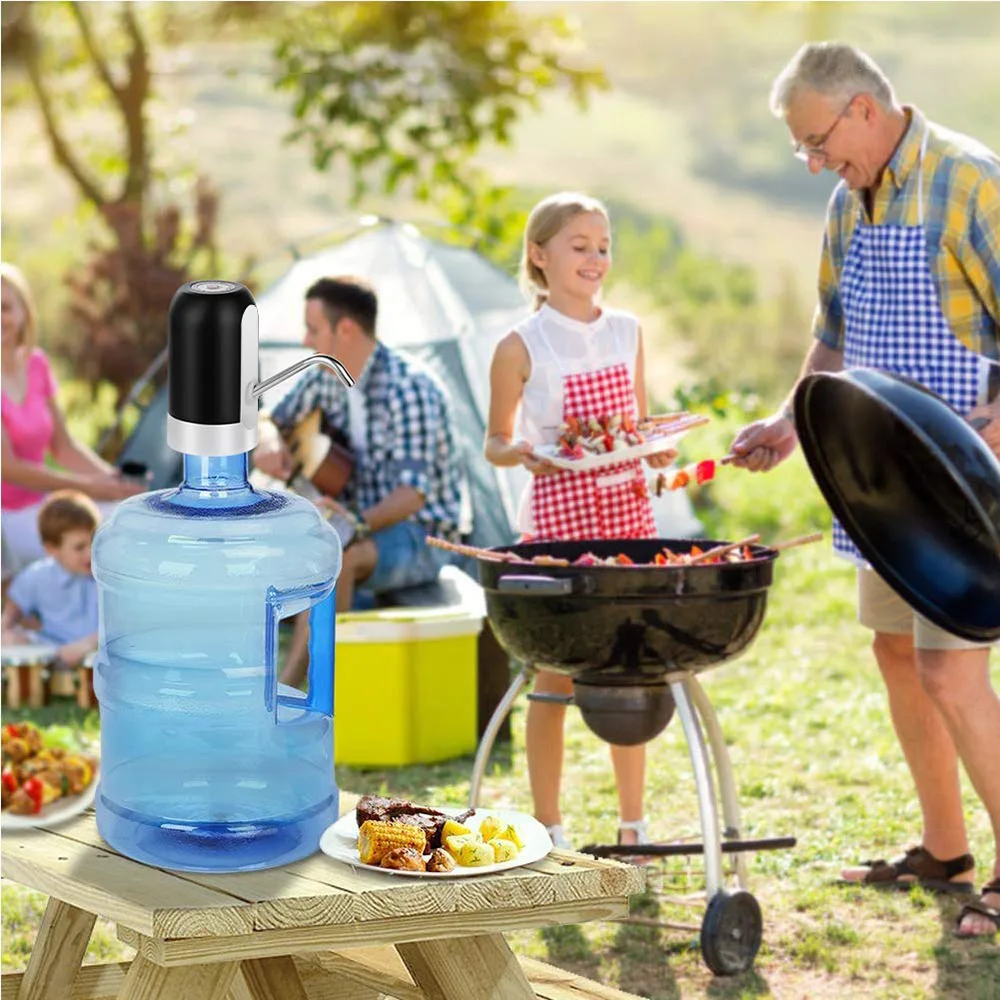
column 909, row 283
column 406, row 479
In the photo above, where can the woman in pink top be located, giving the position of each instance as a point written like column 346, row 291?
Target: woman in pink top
column 33, row 429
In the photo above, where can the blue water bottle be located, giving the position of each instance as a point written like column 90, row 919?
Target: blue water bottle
column 207, row 762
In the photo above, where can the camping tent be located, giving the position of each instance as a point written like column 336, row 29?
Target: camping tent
column 449, row 306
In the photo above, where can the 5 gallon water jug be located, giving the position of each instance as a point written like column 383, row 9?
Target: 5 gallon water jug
column 207, row 762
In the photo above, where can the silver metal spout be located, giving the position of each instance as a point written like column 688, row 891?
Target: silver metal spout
column 256, row 389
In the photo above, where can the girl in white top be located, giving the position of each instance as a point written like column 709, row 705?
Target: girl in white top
column 571, row 358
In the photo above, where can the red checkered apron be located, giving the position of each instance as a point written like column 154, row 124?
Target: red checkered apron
column 612, row 502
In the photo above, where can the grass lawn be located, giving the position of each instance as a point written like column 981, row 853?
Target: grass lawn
column 814, row 757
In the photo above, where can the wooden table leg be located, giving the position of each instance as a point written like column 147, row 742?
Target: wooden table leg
column 36, row 688
column 148, row 981
column 272, row 979
column 58, row 952
column 461, row 968
column 12, row 694
column 85, row 687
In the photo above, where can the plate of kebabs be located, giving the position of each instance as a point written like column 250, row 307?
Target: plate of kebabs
column 609, row 440
column 43, row 783
column 402, row 838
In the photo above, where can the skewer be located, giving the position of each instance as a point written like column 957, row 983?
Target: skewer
column 489, row 555
column 721, row 550
column 470, row 550
column 816, row 536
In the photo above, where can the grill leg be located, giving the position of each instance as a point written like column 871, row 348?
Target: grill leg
column 492, row 728
column 724, row 769
column 704, row 784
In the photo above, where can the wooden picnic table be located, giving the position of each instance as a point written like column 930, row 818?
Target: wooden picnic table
column 313, row 930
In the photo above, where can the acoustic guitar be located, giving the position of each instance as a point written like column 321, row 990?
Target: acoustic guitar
column 318, row 457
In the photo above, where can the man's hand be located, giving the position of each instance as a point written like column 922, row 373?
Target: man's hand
column 74, row 653
column 272, row 456
column 762, row 445
column 991, row 432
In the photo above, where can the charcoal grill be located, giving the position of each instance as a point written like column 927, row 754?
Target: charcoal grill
column 634, row 639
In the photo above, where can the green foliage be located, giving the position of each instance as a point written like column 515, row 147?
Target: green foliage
column 413, row 90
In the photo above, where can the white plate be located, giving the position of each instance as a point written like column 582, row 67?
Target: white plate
column 27, row 654
column 652, row 444
column 55, row 812
column 340, row 841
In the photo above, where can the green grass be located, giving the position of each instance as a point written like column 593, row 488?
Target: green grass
column 805, row 716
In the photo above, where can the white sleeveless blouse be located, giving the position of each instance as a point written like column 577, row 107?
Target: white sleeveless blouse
column 559, row 346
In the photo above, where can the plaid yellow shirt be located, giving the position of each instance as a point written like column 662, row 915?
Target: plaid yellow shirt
column 961, row 191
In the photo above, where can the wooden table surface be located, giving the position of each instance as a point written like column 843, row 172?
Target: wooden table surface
column 310, row 930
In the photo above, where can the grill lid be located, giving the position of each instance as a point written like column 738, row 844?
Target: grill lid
column 916, row 489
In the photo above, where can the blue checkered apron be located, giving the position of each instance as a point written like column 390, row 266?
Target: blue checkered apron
column 893, row 321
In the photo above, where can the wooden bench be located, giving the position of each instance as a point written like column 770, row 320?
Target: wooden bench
column 26, row 685
column 313, row 930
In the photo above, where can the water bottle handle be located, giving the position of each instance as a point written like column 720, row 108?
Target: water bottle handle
column 322, row 622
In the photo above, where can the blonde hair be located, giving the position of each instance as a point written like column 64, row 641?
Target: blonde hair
column 13, row 277
column 545, row 220
column 833, row 69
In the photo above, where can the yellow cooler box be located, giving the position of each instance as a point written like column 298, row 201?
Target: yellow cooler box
column 405, row 686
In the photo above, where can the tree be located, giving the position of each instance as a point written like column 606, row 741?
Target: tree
column 401, row 91
column 415, row 89
column 75, row 57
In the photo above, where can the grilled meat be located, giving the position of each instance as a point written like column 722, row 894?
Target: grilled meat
column 383, row 810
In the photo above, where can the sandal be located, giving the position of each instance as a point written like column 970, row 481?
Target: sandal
column 981, row 907
column 916, row 867
column 638, row 826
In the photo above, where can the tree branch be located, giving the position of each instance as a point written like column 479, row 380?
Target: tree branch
column 60, row 148
column 96, row 57
column 132, row 98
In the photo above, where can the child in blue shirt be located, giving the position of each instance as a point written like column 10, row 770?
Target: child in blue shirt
column 59, row 590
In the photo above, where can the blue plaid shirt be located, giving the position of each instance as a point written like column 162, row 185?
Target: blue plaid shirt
column 409, row 437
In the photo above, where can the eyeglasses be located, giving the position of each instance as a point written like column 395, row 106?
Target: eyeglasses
column 814, row 150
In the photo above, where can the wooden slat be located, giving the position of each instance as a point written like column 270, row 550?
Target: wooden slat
column 392, row 931
column 99, row 881
column 318, row 892
column 58, row 951
column 148, row 981
column 483, row 967
column 103, row 982
column 283, row 897
column 272, row 979
column 551, row 983
column 379, row 968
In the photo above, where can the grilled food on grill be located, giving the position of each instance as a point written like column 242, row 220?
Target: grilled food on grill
column 405, row 859
column 376, row 839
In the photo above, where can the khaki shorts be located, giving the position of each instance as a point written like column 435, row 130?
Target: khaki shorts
column 881, row 609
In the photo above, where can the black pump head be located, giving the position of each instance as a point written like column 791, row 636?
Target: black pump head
column 213, row 364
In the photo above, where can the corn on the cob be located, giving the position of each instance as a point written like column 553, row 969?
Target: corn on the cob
column 376, row 839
